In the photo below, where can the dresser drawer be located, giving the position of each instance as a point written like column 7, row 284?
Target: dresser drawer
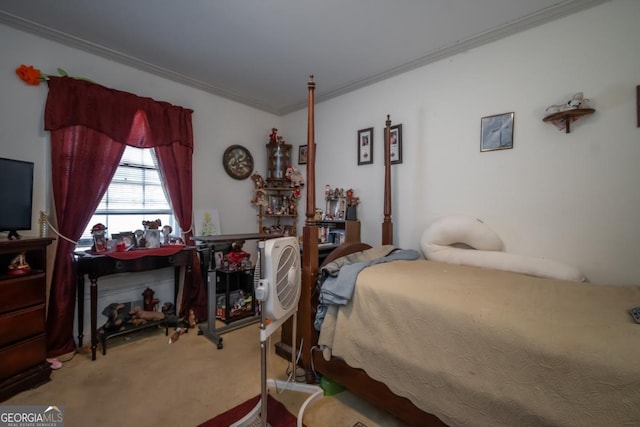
column 21, row 324
column 22, row 292
column 21, row 356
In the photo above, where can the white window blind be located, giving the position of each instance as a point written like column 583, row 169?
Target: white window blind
column 136, row 193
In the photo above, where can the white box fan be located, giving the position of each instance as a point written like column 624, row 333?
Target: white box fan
column 280, row 288
column 277, row 284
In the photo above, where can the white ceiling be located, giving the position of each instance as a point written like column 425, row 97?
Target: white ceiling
column 260, row 52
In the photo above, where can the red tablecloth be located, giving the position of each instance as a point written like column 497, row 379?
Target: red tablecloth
column 139, row 253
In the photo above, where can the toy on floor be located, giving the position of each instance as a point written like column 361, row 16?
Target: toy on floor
column 176, row 335
column 192, row 319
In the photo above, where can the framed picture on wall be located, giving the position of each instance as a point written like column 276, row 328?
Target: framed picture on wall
column 365, row 146
column 496, row 132
column 638, row 104
column 302, row 155
column 395, row 144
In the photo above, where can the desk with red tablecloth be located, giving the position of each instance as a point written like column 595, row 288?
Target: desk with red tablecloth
column 98, row 264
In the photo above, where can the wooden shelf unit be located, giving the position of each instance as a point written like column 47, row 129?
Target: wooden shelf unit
column 281, row 213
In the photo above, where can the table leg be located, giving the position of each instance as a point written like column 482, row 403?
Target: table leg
column 94, row 320
column 80, row 296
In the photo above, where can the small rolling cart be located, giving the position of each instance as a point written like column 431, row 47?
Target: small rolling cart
column 220, row 280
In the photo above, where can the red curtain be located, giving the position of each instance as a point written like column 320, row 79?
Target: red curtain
column 90, row 126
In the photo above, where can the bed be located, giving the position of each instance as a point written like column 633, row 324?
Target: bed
column 436, row 343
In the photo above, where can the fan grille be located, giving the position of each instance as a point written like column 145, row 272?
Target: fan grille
column 285, row 273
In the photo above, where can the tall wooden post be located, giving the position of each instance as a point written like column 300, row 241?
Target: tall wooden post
column 309, row 246
column 387, row 226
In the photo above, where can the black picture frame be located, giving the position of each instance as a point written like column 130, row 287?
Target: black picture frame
column 496, row 132
column 395, row 144
column 638, row 103
column 365, row 146
column 302, row 155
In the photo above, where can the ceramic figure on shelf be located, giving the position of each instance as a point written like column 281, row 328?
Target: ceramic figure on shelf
column 18, row 265
column 98, row 232
column 236, row 256
column 166, row 234
column 258, row 180
column 259, row 199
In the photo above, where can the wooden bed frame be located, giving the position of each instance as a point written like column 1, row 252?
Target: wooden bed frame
column 355, row 380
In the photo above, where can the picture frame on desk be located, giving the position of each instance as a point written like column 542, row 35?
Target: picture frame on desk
column 219, row 259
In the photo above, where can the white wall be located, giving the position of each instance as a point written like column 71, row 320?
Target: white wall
column 569, row 197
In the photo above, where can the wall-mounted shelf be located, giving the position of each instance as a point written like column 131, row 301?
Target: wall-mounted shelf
column 563, row 119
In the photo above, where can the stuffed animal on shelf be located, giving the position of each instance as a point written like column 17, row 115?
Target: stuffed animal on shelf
column 577, row 101
column 237, row 255
column 294, row 175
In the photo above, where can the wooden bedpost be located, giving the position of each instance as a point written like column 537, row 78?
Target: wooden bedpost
column 309, row 248
column 387, row 226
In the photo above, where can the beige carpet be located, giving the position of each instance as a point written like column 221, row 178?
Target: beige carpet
column 144, row 381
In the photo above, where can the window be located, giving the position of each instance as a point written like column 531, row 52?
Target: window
column 136, row 193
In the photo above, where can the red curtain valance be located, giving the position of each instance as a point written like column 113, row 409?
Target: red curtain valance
column 73, row 102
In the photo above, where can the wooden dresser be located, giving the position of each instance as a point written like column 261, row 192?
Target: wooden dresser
column 23, row 343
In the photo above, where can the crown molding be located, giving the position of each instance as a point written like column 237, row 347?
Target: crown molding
column 547, row 15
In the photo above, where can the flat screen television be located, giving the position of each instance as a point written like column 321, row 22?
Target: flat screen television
column 16, row 196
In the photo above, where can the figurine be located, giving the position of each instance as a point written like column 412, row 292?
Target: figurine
column 237, row 255
column 274, row 134
column 258, row 180
column 18, row 265
column 99, row 237
column 166, row 234
column 149, row 301
column 259, row 199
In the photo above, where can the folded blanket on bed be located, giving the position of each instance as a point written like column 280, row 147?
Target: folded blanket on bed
column 338, row 278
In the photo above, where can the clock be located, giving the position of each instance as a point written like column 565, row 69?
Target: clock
column 237, row 162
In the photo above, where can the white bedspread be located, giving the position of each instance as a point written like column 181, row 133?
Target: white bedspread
column 483, row 347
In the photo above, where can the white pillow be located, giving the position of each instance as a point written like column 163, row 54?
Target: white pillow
column 452, row 229
column 441, row 234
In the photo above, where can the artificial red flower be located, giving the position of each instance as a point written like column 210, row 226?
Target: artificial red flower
column 30, row 75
